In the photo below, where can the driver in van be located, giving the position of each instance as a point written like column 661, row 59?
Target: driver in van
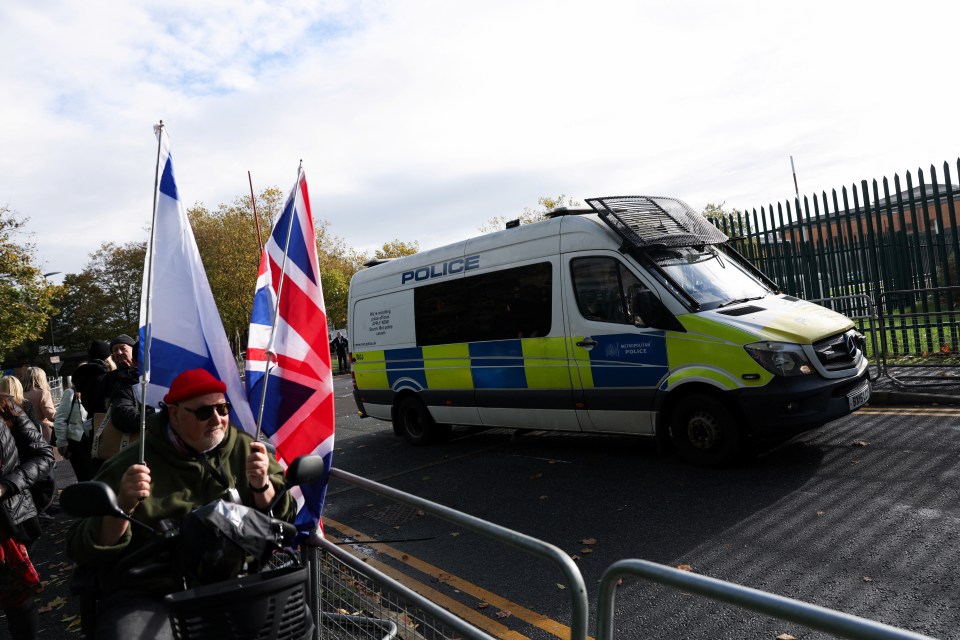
column 193, row 456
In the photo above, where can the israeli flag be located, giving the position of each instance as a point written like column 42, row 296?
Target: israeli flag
column 180, row 327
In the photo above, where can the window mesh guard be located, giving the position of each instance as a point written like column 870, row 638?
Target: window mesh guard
column 646, row 222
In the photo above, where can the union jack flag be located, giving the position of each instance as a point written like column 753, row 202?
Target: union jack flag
column 297, row 412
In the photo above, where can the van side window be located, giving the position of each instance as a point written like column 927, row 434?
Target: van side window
column 501, row 305
column 606, row 290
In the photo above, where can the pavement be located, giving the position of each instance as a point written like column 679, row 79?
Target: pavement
column 59, row 609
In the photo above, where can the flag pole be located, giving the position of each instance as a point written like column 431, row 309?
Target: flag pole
column 256, row 220
column 276, row 307
column 147, row 326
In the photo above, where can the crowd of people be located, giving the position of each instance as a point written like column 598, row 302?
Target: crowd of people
column 192, row 454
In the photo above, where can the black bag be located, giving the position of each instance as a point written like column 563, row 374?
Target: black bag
column 43, row 491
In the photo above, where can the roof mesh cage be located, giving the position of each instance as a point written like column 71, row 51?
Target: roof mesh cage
column 645, row 221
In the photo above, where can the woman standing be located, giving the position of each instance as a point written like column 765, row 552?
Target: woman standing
column 10, row 386
column 73, row 441
column 24, row 458
column 37, row 391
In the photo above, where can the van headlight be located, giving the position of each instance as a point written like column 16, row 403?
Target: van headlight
column 780, row 358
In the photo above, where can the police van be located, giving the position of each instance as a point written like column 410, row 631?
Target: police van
column 631, row 316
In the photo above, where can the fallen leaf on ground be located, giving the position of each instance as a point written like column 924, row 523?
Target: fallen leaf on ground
column 503, row 614
column 785, row 636
column 860, row 443
column 561, row 586
column 586, row 550
column 589, row 541
column 483, row 605
column 684, row 567
column 536, row 475
column 56, row 603
column 867, row 579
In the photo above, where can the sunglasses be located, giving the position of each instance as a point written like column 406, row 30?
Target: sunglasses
column 204, row 412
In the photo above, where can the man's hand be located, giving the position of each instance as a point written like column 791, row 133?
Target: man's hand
column 258, row 465
column 258, row 474
column 134, row 487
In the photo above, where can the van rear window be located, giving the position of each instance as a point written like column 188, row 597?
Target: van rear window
column 499, row 305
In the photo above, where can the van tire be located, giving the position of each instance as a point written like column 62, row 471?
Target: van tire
column 705, row 432
column 417, row 425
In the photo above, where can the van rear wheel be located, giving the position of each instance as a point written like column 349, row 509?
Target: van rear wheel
column 417, row 425
column 706, row 433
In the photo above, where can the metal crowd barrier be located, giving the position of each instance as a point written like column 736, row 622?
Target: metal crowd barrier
column 835, row 622
column 343, row 585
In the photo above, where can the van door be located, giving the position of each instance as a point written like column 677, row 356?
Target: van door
column 617, row 360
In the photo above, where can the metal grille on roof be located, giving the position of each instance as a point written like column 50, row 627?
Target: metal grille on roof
column 647, row 221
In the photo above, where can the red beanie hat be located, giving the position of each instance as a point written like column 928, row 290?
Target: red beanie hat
column 193, row 383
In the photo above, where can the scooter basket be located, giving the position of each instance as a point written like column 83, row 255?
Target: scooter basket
column 261, row 606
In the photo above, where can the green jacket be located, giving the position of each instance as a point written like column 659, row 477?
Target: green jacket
column 179, row 484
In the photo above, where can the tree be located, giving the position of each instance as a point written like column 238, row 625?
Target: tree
column 227, row 241
column 719, row 216
column 25, row 295
column 396, row 249
column 81, row 301
column 117, row 271
column 528, row 215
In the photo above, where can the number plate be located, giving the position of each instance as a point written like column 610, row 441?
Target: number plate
column 859, row 396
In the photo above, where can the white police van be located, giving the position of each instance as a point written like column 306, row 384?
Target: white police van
column 631, row 317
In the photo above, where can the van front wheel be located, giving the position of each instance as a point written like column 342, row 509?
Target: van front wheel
column 706, row 433
column 416, row 423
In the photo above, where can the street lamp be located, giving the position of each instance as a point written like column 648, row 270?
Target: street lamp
column 53, row 344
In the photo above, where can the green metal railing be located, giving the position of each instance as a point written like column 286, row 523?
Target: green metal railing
column 877, row 241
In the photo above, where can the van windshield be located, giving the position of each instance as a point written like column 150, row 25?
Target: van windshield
column 709, row 277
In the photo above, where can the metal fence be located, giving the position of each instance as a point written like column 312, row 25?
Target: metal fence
column 839, row 624
column 880, row 240
column 353, row 599
column 371, row 600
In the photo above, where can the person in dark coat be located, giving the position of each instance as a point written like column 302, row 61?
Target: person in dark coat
column 339, row 343
column 25, row 458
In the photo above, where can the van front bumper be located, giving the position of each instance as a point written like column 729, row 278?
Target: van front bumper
column 788, row 406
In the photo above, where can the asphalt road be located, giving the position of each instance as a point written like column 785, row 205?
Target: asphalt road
column 860, row 516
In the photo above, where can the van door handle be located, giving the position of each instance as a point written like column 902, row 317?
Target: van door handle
column 588, row 343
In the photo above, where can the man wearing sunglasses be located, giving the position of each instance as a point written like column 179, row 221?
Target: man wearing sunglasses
column 193, row 455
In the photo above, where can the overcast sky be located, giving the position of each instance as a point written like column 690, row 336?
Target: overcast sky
column 422, row 119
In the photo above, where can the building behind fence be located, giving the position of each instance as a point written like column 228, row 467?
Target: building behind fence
column 895, row 245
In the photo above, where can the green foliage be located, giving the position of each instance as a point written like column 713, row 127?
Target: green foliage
column 396, row 249
column 227, row 241
column 25, row 295
column 528, row 215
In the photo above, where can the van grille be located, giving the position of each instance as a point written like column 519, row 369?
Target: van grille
column 842, row 351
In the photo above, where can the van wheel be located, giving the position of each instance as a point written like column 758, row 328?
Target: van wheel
column 417, row 425
column 706, row 433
